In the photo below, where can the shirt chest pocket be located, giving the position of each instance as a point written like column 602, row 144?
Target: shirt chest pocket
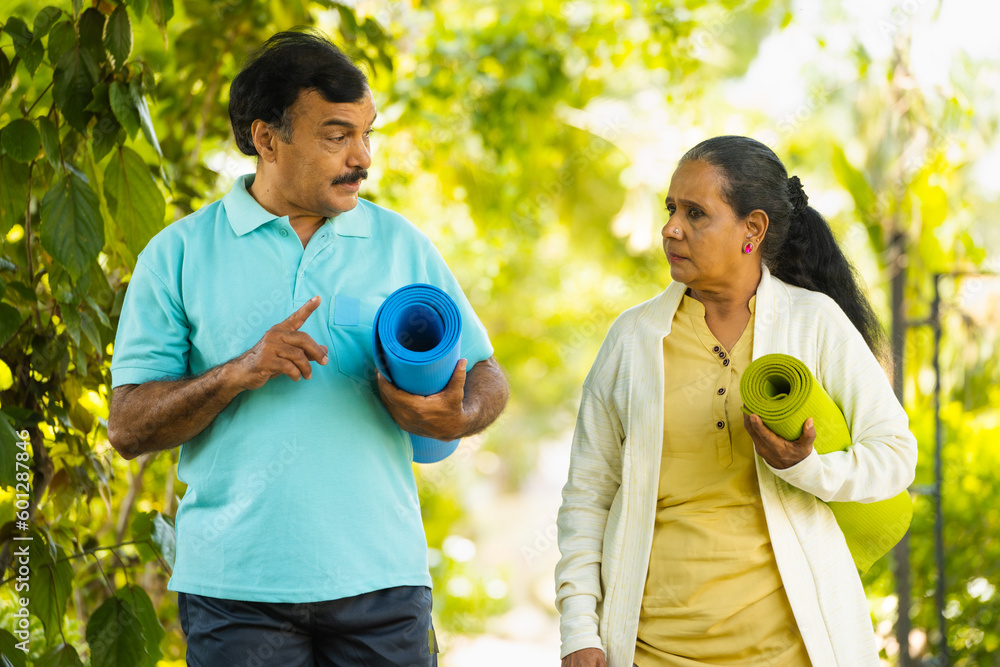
column 351, row 333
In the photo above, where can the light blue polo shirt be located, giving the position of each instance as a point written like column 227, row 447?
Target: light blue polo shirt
column 297, row 491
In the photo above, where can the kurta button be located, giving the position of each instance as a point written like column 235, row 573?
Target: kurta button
column 726, row 362
column 715, row 349
column 722, row 390
column 722, row 355
column 720, row 425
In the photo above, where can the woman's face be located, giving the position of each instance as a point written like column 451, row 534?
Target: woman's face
column 703, row 239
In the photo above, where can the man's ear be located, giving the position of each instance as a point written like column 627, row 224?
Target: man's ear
column 757, row 223
column 264, row 138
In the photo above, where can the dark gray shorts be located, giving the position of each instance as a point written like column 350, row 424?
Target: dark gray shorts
column 387, row 627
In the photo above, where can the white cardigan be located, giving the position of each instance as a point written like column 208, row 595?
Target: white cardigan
column 609, row 502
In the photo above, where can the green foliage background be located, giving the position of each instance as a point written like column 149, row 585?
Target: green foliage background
column 113, row 125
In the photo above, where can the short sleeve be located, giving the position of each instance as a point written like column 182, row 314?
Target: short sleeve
column 476, row 344
column 153, row 338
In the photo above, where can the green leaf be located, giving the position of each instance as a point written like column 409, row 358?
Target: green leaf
column 124, row 108
column 139, row 7
column 72, row 86
column 50, row 141
column 6, row 73
column 62, row 655
column 45, row 19
column 115, row 636
column 18, row 31
column 8, row 449
column 51, row 583
column 13, row 193
column 101, row 99
column 81, row 361
column 61, row 287
column 71, row 318
column 61, row 39
column 135, row 202
column 147, row 77
column 106, row 134
column 72, row 227
column 163, row 11
column 26, row 292
column 142, row 607
column 10, row 320
column 26, row 45
column 90, row 331
column 33, row 56
column 857, row 186
column 92, row 34
column 20, row 139
column 101, row 315
column 146, row 122
column 118, row 36
column 154, row 535
column 9, row 650
column 165, row 538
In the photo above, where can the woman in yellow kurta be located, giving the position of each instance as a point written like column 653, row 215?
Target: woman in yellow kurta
column 691, row 535
column 713, row 592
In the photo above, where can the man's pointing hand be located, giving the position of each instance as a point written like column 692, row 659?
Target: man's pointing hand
column 284, row 350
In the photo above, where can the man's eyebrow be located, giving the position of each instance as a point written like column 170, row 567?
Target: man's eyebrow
column 339, row 122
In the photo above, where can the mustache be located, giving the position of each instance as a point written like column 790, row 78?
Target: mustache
column 351, row 177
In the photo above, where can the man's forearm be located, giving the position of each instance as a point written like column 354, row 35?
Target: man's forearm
column 486, row 394
column 164, row 414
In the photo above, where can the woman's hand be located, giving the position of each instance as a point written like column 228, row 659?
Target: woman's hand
column 585, row 657
column 778, row 452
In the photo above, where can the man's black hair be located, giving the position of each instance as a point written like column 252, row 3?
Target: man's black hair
column 284, row 66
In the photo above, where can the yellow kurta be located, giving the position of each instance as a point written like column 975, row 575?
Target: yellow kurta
column 713, row 595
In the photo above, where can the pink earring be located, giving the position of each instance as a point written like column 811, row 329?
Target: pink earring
column 748, row 248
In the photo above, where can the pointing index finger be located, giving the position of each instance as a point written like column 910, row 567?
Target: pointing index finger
column 299, row 317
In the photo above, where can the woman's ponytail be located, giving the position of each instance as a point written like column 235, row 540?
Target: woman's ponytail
column 799, row 247
column 811, row 258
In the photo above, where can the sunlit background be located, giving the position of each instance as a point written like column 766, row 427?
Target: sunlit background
column 534, row 141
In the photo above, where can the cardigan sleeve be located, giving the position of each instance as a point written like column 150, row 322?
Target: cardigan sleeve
column 882, row 459
column 594, row 481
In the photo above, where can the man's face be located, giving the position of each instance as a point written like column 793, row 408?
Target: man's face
column 320, row 170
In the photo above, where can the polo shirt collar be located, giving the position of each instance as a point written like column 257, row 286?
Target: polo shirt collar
column 246, row 215
column 354, row 222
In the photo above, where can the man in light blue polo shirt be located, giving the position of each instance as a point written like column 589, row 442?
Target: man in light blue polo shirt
column 245, row 337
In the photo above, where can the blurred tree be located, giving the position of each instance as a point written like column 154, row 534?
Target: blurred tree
column 84, row 178
column 916, row 209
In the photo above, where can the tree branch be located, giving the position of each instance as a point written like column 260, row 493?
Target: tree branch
column 35, row 104
column 134, row 489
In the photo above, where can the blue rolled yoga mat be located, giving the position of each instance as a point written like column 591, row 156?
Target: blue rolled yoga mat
column 416, row 341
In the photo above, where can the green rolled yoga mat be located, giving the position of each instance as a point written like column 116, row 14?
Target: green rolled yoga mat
column 784, row 393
